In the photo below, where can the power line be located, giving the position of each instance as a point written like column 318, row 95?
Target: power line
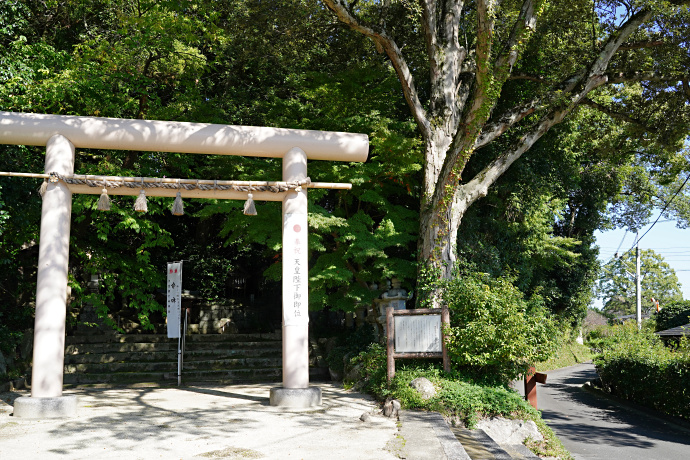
column 621, row 243
column 665, row 206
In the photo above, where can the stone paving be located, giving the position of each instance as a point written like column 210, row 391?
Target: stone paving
column 225, row 422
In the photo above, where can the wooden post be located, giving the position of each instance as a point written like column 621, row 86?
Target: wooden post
column 390, row 343
column 531, row 379
column 445, row 323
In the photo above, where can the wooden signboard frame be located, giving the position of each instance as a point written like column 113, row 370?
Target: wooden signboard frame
column 390, row 345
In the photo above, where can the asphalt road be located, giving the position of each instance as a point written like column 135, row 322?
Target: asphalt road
column 592, row 426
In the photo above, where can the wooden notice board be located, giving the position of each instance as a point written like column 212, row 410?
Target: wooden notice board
column 416, row 334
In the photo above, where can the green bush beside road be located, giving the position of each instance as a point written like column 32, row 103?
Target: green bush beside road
column 673, row 315
column 636, row 365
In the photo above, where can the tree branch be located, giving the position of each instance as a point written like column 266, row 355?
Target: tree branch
column 526, row 22
column 429, row 27
column 651, row 76
column 639, row 45
column 612, row 113
column 491, row 131
column 478, row 187
column 488, row 81
column 616, row 40
column 522, row 76
column 485, row 32
column 587, row 81
column 381, row 39
column 446, row 57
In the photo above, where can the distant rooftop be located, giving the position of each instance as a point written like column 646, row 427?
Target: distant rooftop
column 676, row 331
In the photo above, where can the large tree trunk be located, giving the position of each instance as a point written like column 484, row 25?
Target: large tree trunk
column 464, row 89
column 437, row 228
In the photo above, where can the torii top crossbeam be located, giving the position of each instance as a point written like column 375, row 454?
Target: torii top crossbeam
column 180, row 137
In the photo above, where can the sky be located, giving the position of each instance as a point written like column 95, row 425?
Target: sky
column 664, row 238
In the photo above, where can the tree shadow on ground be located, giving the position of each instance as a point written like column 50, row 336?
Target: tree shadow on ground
column 599, row 420
column 162, row 417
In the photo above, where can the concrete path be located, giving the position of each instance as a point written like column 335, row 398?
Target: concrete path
column 222, row 422
column 592, row 426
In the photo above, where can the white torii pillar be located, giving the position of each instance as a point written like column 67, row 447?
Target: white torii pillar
column 62, row 134
column 295, row 391
column 46, row 399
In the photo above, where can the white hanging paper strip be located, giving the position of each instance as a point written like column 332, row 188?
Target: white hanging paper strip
column 295, row 276
column 174, row 298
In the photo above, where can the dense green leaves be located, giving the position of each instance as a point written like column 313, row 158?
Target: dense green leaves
column 286, row 63
column 673, row 314
column 494, row 330
column 637, row 366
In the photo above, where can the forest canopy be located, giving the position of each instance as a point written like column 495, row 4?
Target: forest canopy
column 503, row 134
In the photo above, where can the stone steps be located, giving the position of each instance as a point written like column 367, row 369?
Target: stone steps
column 148, row 358
column 157, row 338
column 160, row 347
column 169, row 356
column 165, row 366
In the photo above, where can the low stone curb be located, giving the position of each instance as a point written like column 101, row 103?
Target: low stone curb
column 427, row 436
column 490, row 445
column 451, row 446
column 521, row 452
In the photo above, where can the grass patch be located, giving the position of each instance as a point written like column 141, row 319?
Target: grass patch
column 468, row 402
column 551, row 446
column 568, row 354
column 459, row 398
column 231, row 452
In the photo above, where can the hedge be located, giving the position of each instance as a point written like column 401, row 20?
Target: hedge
column 643, row 370
column 673, row 315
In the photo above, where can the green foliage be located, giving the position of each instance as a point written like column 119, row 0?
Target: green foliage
column 616, row 284
column 350, row 345
column 9, row 339
column 120, row 248
column 283, row 63
column 360, row 237
column 568, row 353
column 373, row 374
column 635, row 365
column 537, row 221
column 673, row 314
column 459, row 399
column 494, row 330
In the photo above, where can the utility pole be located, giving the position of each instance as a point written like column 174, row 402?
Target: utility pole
column 638, row 286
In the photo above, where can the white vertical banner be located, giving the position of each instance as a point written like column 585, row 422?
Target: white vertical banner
column 295, row 274
column 174, row 306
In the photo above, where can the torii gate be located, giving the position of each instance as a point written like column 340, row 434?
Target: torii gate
column 63, row 134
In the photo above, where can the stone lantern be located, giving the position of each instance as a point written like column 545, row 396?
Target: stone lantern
column 394, row 297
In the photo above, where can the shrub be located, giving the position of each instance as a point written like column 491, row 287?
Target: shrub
column 635, row 365
column 350, row 345
column 9, row 340
column 373, row 371
column 464, row 400
column 457, row 396
column 673, row 315
column 494, row 330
